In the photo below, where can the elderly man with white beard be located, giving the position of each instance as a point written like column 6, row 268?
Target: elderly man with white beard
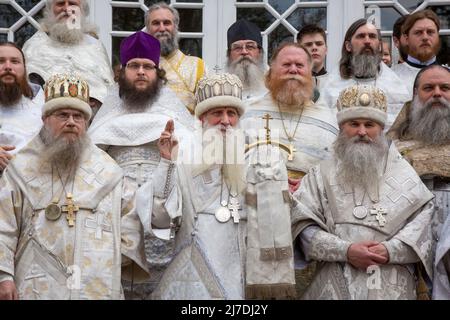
column 307, row 128
column 182, row 71
column 245, row 58
column 361, row 63
column 20, row 104
column 128, row 126
column 422, row 135
column 364, row 215
column 67, row 42
column 234, row 240
column 66, row 214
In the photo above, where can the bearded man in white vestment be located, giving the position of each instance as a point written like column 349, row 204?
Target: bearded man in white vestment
column 234, row 240
column 20, row 104
column 128, row 126
column 422, row 135
column 421, row 33
column 182, row 71
column 364, row 215
column 361, row 63
column 245, row 58
column 67, row 42
column 66, row 214
column 308, row 128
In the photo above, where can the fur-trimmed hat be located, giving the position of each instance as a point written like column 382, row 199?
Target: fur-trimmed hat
column 362, row 101
column 219, row 90
column 66, row 91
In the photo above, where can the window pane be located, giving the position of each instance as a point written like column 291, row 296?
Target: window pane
column 443, row 13
column 148, row 3
column 27, row 4
column 191, row 47
column 281, row 5
column 23, row 34
column 279, row 35
column 388, row 17
column 8, row 16
column 127, row 19
column 3, row 37
column 303, row 16
column 259, row 16
column 444, row 55
column 191, row 20
column 115, row 54
column 410, row 5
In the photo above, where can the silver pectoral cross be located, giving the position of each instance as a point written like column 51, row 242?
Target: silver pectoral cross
column 234, row 207
column 379, row 212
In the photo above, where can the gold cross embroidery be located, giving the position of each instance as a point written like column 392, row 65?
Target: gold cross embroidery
column 71, row 209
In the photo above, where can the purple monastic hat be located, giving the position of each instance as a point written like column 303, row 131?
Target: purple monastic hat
column 140, row 45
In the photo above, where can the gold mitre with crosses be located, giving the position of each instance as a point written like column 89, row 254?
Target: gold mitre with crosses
column 362, row 101
column 219, row 90
column 68, row 90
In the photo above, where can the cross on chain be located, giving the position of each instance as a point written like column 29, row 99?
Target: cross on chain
column 71, row 209
column 99, row 224
column 379, row 212
column 267, row 117
column 234, row 207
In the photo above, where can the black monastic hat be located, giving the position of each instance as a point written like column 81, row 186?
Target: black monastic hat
column 243, row 30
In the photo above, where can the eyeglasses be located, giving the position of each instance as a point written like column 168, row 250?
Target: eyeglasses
column 240, row 47
column 136, row 66
column 64, row 116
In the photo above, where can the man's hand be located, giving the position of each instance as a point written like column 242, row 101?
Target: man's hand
column 294, row 184
column 8, row 290
column 167, row 141
column 5, row 156
column 381, row 250
column 359, row 255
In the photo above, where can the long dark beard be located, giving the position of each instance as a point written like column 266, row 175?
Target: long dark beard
column 249, row 71
column 10, row 94
column 359, row 162
column 59, row 152
column 430, row 124
column 138, row 100
column 169, row 43
column 292, row 90
column 365, row 65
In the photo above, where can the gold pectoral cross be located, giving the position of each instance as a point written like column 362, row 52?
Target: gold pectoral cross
column 267, row 117
column 71, row 209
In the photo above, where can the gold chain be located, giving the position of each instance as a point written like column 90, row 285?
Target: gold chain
column 290, row 137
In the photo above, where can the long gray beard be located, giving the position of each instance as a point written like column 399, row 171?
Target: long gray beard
column 250, row 72
column 430, row 124
column 365, row 66
column 226, row 151
column 61, row 153
column 359, row 163
column 169, row 43
column 10, row 94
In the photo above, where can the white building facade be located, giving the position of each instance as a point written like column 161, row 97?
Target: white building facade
column 204, row 23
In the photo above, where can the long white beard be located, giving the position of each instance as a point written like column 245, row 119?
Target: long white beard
column 226, row 151
column 359, row 163
column 61, row 32
column 249, row 71
column 430, row 124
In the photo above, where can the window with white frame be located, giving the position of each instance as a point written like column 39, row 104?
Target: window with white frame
column 19, row 19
